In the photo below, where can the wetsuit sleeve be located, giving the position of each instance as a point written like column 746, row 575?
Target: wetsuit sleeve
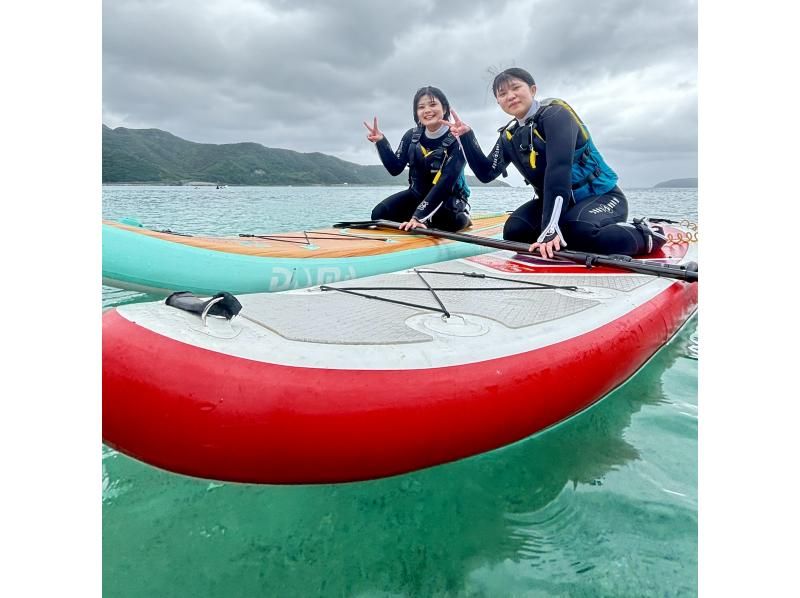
column 394, row 162
column 451, row 171
column 561, row 131
column 486, row 168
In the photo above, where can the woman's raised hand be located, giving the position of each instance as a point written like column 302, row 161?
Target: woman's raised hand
column 457, row 127
column 374, row 134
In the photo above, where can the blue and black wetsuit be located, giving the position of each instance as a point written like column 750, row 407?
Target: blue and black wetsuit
column 577, row 197
column 437, row 194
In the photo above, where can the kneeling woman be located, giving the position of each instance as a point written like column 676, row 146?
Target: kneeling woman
column 437, row 194
column 577, row 197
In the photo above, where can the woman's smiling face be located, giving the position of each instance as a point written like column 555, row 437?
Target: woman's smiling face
column 430, row 112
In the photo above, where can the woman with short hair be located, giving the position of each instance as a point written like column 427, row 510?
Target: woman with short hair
column 437, row 194
column 577, row 198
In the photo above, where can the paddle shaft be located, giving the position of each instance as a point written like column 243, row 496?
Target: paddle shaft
column 588, row 259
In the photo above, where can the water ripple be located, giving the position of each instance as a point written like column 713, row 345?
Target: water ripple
column 551, row 537
column 693, row 347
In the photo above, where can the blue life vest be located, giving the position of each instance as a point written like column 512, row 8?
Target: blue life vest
column 590, row 174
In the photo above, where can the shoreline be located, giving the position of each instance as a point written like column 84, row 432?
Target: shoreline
column 498, row 185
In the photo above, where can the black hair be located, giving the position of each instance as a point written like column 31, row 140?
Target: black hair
column 434, row 92
column 507, row 75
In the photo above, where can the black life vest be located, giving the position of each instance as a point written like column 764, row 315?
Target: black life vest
column 434, row 160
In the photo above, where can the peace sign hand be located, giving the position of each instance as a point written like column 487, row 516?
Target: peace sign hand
column 458, row 127
column 375, row 134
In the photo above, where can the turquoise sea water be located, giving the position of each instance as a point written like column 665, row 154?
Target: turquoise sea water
column 604, row 504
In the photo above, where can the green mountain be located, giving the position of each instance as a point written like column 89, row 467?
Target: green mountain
column 678, row 183
column 157, row 157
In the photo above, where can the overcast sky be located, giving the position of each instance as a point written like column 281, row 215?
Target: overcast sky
column 303, row 75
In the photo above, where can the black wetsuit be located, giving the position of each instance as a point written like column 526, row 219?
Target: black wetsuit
column 594, row 223
column 441, row 205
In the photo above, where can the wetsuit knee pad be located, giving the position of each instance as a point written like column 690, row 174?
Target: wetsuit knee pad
column 446, row 219
column 519, row 229
column 462, row 221
column 380, row 212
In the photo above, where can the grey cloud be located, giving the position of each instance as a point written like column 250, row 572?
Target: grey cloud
column 303, row 74
column 610, row 37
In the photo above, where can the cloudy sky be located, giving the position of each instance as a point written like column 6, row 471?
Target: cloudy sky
column 303, row 75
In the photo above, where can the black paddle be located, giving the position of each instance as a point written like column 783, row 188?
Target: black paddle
column 687, row 272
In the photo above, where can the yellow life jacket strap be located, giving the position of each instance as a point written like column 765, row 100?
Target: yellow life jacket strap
column 569, row 109
column 438, row 174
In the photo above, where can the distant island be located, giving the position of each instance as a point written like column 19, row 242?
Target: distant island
column 678, row 183
column 156, row 157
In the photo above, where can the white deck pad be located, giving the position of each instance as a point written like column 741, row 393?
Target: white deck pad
column 330, row 329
